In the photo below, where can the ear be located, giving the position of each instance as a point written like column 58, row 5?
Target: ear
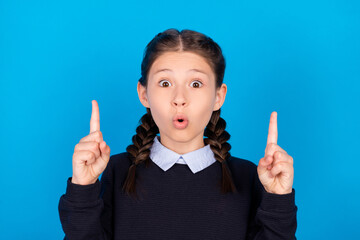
column 220, row 97
column 142, row 95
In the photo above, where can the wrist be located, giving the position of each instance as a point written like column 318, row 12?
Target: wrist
column 278, row 202
column 82, row 193
column 74, row 180
column 278, row 191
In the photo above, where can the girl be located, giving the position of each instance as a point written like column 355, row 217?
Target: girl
column 178, row 184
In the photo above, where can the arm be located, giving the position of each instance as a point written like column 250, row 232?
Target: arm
column 82, row 209
column 273, row 216
column 86, row 210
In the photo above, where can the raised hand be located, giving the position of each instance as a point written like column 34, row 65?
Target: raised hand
column 91, row 154
column 275, row 169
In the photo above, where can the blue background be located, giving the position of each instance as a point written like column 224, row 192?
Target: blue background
column 299, row 58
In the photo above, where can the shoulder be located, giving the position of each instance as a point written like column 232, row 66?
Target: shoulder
column 243, row 170
column 241, row 164
column 118, row 163
column 120, row 160
column 116, row 169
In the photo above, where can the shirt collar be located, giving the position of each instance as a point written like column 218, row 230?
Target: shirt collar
column 165, row 158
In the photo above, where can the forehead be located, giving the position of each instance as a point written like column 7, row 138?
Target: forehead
column 180, row 61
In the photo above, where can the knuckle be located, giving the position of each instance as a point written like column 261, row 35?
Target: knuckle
column 94, row 146
column 90, row 155
column 273, row 146
column 77, row 156
column 270, row 147
column 278, row 155
column 281, row 165
column 98, row 134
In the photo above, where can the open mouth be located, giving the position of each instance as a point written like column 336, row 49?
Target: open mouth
column 180, row 121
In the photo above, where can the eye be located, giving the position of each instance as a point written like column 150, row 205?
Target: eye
column 164, row 83
column 197, row 84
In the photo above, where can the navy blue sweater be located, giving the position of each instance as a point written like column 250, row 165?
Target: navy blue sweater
column 176, row 204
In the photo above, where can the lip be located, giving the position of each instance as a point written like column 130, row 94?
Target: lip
column 180, row 125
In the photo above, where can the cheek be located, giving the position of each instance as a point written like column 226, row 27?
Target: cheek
column 204, row 109
column 157, row 99
column 158, row 107
column 204, row 116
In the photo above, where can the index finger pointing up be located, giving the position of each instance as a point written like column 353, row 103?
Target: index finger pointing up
column 273, row 131
column 95, row 117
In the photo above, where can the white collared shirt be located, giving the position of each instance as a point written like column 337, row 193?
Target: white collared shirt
column 196, row 160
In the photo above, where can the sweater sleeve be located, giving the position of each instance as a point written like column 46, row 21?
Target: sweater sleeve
column 85, row 210
column 274, row 215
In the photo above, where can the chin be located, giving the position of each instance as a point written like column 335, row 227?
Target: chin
column 184, row 136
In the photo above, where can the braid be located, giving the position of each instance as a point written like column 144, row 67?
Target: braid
column 217, row 138
column 140, row 149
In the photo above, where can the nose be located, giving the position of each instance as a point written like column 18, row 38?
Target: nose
column 179, row 99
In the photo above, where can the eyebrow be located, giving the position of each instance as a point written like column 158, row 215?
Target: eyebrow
column 169, row 70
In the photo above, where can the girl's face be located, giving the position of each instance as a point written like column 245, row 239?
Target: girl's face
column 181, row 85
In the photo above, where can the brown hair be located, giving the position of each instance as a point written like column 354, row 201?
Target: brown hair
column 172, row 40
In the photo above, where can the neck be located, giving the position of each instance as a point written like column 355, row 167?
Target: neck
column 183, row 144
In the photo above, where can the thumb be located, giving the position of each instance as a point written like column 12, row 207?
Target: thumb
column 265, row 164
column 104, row 151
